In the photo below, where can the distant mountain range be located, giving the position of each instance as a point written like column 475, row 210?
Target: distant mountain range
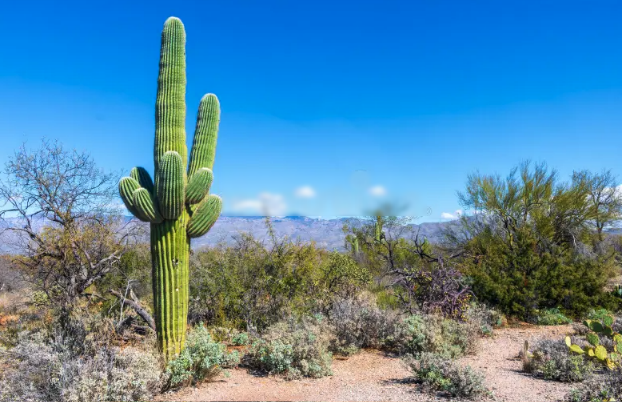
column 327, row 233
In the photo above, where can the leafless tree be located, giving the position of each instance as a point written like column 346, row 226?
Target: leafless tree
column 60, row 209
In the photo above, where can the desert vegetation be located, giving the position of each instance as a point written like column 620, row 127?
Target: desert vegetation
column 97, row 306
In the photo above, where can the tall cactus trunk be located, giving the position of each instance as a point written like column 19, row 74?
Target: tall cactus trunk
column 178, row 206
column 170, row 249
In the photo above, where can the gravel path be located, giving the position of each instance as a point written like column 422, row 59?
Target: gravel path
column 373, row 376
column 499, row 361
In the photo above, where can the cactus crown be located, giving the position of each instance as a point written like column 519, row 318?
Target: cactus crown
column 180, row 185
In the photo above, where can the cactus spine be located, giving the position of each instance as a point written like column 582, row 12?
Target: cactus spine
column 178, row 205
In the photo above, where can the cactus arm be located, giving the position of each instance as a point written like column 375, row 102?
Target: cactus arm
column 170, row 185
column 127, row 186
column 171, row 97
column 143, row 178
column 205, row 135
column 198, row 185
column 205, row 216
column 145, row 206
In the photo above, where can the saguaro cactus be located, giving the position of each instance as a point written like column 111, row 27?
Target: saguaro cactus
column 178, row 205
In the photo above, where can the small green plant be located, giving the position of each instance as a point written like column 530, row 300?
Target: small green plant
column 610, row 356
column 598, row 314
column 294, row 348
column 201, row 359
column 240, row 339
column 605, row 388
column 552, row 316
column 551, row 360
column 417, row 334
column 487, row 318
column 359, row 323
column 437, row 373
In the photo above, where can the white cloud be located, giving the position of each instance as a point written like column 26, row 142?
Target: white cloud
column 247, row 205
column 272, row 204
column 378, row 191
column 455, row 215
column 305, row 192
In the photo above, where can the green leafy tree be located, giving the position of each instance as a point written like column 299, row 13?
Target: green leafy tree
column 528, row 246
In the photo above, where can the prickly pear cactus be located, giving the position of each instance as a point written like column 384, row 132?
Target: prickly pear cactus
column 610, row 358
column 178, row 205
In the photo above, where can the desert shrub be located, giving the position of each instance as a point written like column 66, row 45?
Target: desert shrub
column 532, row 244
column 598, row 314
column 221, row 334
column 551, row 360
column 441, row 290
column 520, row 282
column 240, row 339
column 484, row 317
column 295, row 348
column 46, row 368
column 605, row 387
column 417, row 334
column 229, row 336
column 438, row 373
column 250, row 286
column 551, row 316
column 359, row 323
column 342, row 277
column 202, row 359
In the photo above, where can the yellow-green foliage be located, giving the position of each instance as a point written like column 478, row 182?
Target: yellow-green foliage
column 533, row 246
column 251, row 286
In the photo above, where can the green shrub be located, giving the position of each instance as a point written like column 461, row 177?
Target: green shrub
column 533, row 244
column 240, row 339
column 201, row 359
column 520, row 282
column 418, row 334
column 551, row 316
column 485, row 318
column 224, row 334
column 251, row 286
column 359, row 323
column 294, row 348
column 603, row 388
column 598, row 314
column 438, row 373
column 552, row 360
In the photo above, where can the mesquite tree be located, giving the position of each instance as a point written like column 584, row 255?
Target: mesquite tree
column 178, row 205
column 56, row 215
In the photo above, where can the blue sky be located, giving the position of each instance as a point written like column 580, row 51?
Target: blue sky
column 355, row 103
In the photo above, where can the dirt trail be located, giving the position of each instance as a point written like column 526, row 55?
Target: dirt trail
column 373, row 376
column 499, row 361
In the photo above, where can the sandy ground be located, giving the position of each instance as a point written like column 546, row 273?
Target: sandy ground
column 499, row 361
column 374, row 376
